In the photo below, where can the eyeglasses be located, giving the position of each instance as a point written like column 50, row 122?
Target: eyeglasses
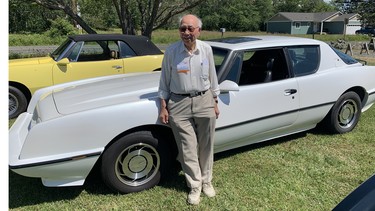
column 190, row 28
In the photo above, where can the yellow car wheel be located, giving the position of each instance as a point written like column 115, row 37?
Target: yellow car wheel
column 17, row 102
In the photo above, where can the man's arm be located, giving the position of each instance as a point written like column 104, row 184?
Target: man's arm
column 164, row 115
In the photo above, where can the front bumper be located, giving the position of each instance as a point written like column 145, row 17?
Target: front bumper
column 68, row 169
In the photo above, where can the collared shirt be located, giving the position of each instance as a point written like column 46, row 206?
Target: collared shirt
column 183, row 72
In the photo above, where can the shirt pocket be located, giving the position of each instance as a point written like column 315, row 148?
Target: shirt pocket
column 205, row 70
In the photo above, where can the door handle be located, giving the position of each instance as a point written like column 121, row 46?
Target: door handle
column 290, row 92
column 117, row 67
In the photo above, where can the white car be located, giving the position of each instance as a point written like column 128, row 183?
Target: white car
column 271, row 86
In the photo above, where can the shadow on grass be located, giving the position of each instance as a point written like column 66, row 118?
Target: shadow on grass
column 25, row 191
column 229, row 153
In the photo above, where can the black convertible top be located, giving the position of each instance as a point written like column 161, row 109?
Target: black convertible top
column 141, row 45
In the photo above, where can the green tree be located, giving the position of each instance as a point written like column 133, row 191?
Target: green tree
column 101, row 17
column 157, row 14
column 303, row 6
column 266, row 10
column 365, row 8
column 347, row 6
column 234, row 15
column 316, row 6
column 69, row 8
column 61, row 27
column 367, row 12
column 152, row 14
column 29, row 17
column 287, row 6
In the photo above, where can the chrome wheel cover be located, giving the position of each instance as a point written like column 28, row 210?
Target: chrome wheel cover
column 137, row 164
column 13, row 104
column 347, row 114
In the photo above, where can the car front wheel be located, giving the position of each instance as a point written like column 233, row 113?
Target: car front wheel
column 345, row 113
column 133, row 163
column 17, row 102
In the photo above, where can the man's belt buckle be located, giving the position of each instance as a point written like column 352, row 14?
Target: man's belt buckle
column 194, row 94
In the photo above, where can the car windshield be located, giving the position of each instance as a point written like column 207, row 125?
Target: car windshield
column 56, row 54
column 345, row 57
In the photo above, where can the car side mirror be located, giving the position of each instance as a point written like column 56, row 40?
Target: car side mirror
column 63, row 62
column 227, row 86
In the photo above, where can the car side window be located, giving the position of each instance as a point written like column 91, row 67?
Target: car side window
column 73, row 56
column 125, row 50
column 234, row 70
column 90, row 51
column 114, row 50
column 220, row 57
column 304, row 59
column 263, row 66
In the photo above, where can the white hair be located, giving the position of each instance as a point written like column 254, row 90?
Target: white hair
column 199, row 20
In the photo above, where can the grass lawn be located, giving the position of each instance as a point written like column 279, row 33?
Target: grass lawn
column 306, row 171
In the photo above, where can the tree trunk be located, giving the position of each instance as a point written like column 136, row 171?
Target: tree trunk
column 126, row 24
column 61, row 5
column 79, row 20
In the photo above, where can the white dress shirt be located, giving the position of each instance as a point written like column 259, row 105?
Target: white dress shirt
column 184, row 72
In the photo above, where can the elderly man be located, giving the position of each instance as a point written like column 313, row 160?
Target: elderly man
column 188, row 91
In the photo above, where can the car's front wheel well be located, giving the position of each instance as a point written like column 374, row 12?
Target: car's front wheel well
column 156, row 130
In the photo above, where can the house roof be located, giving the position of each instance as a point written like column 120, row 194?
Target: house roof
column 295, row 16
column 343, row 16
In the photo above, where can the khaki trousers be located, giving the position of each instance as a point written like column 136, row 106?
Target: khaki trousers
column 193, row 120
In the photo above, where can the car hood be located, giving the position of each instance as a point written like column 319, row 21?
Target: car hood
column 30, row 61
column 111, row 91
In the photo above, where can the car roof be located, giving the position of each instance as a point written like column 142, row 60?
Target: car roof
column 140, row 44
column 247, row 42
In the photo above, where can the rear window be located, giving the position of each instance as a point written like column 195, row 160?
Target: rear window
column 345, row 57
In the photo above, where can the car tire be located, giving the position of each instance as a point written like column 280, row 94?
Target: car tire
column 345, row 113
column 134, row 162
column 17, row 102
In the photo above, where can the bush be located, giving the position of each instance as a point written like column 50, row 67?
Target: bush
column 61, row 27
column 34, row 39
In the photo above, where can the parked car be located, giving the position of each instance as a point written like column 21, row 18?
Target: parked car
column 79, row 57
column 366, row 30
column 271, row 86
column 362, row 198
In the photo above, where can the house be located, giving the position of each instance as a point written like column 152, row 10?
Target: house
column 311, row 23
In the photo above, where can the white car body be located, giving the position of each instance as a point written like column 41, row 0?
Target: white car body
column 68, row 127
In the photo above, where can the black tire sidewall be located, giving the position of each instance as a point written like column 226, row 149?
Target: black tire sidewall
column 109, row 157
column 22, row 101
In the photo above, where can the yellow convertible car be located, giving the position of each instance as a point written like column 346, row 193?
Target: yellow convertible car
column 79, row 57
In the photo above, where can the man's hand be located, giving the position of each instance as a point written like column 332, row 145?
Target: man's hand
column 217, row 112
column 164, row 115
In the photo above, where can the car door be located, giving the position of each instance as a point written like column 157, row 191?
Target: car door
column 265, row 106
column 87, row 60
